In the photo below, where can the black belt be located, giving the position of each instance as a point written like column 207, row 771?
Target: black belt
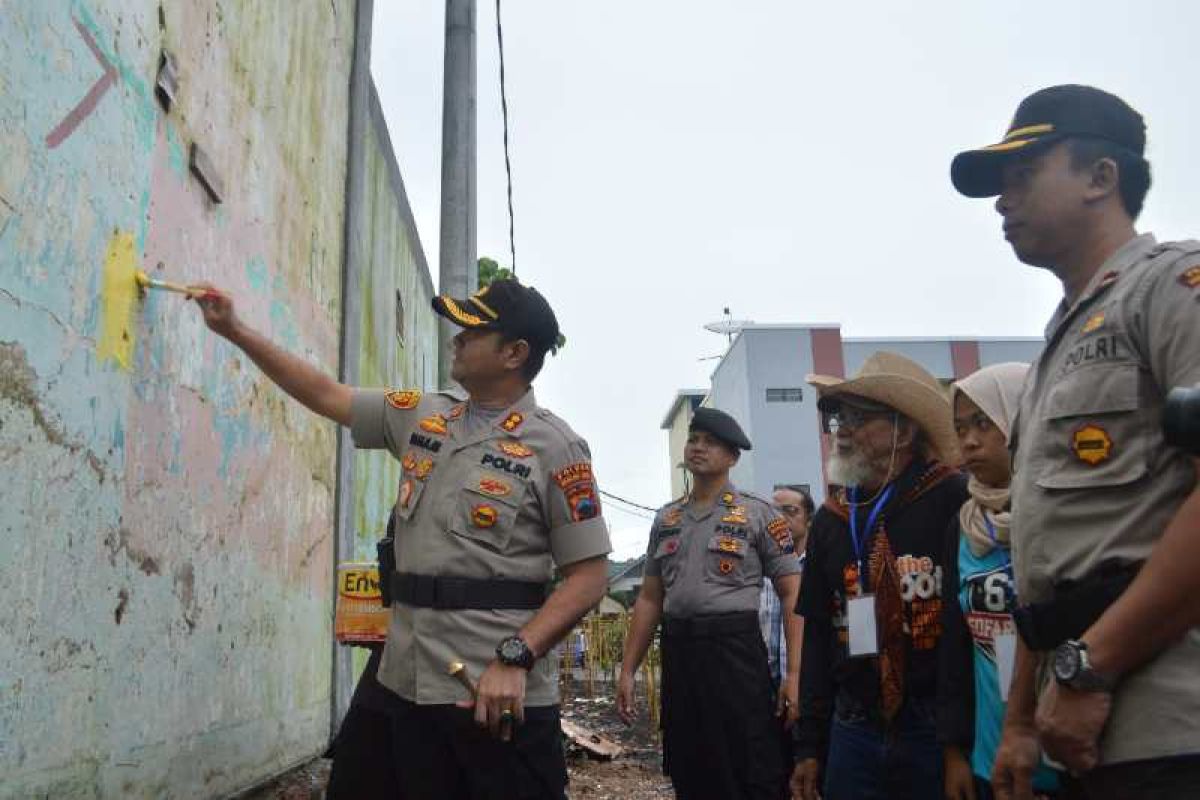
column 1076, row 605
column 711, row 625
column 440, row 591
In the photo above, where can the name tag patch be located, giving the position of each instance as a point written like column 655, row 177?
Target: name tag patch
column 417, row 440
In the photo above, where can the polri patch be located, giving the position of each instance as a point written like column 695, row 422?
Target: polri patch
column 409, row 462
column 434, row 424
column 403, row 399
column 424, row 467
column 1092, row 444
column 494, row 486
column 514, row 449
column 512, row 422
column 484, row 516
column 1191, row 277
column 496, row 462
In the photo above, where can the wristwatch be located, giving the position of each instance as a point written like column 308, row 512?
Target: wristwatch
column 1072, row 668
column 515, row 653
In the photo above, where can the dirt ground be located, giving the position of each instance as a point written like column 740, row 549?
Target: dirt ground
column 636, row 775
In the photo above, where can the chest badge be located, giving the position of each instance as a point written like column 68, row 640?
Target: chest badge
column 423, row 468
column 512, row 422
column 409, row 462
column 514, row 449
column 670, row 546
column 1191, row 277
column 435, row 424
column 494, row 487
column 728, row 545
column 484, row 516
column 727, row 499
column 736, row 516
column 457, row 411
column 403, row 400
column 725, row 566
column 1092, row 445
column 1094, row 323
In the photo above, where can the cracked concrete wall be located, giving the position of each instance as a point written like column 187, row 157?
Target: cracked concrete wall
column 167, row 514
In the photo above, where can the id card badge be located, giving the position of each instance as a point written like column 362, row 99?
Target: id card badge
column 864, row 638
column 1006, row 660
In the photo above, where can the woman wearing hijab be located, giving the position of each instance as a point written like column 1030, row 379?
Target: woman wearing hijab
column 979, row 637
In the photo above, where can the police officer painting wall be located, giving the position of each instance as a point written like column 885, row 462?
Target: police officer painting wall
column 494, row 493
column 707, row 556
column 1106, row 515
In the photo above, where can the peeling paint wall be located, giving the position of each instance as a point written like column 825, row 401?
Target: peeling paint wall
column 166, row 525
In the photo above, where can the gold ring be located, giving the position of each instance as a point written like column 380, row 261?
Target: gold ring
column 508, row 713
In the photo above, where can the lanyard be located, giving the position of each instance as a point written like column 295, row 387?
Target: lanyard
column 871, row 519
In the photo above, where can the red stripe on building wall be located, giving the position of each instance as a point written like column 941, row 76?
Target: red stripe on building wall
column 964, row 358
column 827, row 359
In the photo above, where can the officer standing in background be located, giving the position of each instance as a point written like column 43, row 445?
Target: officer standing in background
column 1106, row 515
column 707, row 557
column 494, row 493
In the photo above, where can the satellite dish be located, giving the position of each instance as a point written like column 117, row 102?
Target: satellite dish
column 728, row 327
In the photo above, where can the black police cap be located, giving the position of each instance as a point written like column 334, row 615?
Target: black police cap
column 1047, row 116
column 506, row 306
column 720, row 425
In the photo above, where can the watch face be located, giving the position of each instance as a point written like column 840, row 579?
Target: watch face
column 1066, row 662
column 510, row 649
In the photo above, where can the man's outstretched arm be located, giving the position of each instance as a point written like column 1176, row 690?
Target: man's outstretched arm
column 316, row 390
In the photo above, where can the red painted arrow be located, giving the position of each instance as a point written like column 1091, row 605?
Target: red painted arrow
column 88, row 104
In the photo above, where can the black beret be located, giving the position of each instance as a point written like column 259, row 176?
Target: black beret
column 720, row 425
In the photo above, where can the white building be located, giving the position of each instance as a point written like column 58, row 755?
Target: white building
column 761, row 381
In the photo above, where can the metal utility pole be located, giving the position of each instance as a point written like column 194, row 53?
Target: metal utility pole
column 458, row 271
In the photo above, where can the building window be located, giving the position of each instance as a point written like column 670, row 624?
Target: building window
column 792, row 394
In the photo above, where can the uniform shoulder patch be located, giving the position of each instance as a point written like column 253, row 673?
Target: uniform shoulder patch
column 1190, row 277
column 403, row 399
column 573, row 474
column 512, row 421
column 779, row 531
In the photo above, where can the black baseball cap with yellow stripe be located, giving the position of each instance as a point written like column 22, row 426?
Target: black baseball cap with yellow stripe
column 1050, row 115
column 504, row 305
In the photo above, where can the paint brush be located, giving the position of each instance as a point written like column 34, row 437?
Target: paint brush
column 145, row 282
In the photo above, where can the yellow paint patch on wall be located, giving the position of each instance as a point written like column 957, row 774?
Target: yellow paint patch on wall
column 118, row 296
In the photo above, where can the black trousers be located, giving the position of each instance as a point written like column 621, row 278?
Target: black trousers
column 391, row 749
column 721, row 739
column 1176, row 778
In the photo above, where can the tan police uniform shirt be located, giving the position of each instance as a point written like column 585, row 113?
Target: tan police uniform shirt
column 509, row 500
column 712, row 560
column 1094, row 479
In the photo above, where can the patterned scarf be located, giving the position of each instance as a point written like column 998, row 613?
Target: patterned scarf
column 889, row 619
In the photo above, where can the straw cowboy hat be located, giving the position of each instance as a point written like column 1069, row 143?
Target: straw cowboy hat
column 898, row 383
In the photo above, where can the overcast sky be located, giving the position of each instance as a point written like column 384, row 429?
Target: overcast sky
column 789, row 160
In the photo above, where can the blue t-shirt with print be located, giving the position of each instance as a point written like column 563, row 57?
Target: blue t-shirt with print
column 986, row 592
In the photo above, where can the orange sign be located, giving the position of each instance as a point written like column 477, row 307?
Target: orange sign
column 359, row 616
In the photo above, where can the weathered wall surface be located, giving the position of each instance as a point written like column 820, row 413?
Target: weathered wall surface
column 166, row 515
column 398, row 326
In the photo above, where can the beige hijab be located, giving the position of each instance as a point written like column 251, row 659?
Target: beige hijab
column 997, row 392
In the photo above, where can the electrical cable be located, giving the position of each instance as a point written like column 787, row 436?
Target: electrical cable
column 512, row 239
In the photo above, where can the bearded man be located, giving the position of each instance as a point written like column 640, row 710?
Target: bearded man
column 872, row 595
